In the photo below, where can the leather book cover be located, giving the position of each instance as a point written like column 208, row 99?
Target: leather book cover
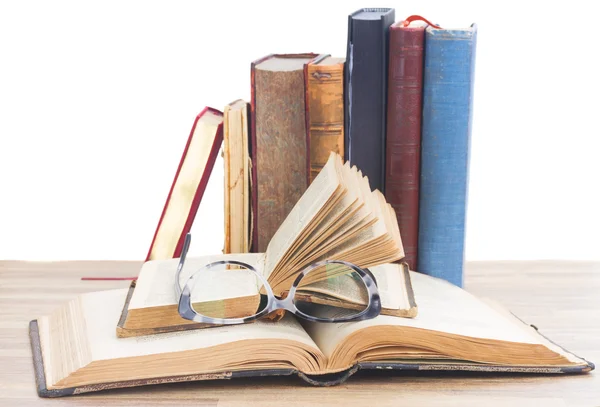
column 445, row 144
column 316, row 380
column 403, row 132
column 183, row 227
column 279, row 142
column 324, row 110
column 365, row 91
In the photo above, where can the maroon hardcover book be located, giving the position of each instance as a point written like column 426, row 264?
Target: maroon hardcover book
column 195, row 167
column 403, row 138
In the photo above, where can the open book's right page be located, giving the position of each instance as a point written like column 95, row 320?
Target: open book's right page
column 451, row 322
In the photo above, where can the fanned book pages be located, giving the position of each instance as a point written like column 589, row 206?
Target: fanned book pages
column 186, row 192
column 236, row 159
column 338, row 217
column 75, row 350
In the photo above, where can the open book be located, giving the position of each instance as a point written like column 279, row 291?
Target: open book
column 75, row 349
column 338, row 217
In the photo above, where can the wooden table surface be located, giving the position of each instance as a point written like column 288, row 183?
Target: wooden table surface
column 561, row 298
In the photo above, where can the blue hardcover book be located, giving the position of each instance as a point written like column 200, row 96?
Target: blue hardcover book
column 446, row 134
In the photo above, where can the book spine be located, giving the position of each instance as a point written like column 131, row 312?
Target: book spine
column 403, row 133
column 227, row 183
column 324, row 113
column 446, row 135
column 280, row 163
column 253, row 152
column 366, row 95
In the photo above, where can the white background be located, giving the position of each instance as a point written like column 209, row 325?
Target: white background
column 97, row 100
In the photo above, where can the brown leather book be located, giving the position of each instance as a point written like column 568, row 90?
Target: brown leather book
column 403, row 138
column 324, row 110
column 279, row 143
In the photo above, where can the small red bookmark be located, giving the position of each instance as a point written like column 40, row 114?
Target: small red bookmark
column 410, row 19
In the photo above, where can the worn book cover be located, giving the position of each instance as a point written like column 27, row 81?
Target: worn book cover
column 324, row 78
column 403, row 141
column 237, row 162
column 445, row 149
column 279, row 142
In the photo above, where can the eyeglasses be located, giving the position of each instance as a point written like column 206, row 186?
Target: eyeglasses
column 326, row 291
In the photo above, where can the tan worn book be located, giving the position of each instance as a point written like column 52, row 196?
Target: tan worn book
column 324, row 110
column 338, row 217
column 237, row 163
column 75, row 349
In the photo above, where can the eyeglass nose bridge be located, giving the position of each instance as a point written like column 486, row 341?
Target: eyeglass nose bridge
column 286, row 303
column 373, row 307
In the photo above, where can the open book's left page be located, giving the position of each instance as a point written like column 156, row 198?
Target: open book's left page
column 79, row 347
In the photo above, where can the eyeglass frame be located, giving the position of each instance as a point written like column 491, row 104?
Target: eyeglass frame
column 186, row 311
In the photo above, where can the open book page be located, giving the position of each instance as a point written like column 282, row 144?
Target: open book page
column 306, row 209
column 260, row 345
column 102, row 310
column 531, row 330
column 156, row 282
column 443, row 307
column 394, row 288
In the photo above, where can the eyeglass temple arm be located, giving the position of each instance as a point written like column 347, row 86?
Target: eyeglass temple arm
column 186, row 246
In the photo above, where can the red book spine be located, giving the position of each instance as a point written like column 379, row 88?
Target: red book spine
column 403, row 138
column 214, row 152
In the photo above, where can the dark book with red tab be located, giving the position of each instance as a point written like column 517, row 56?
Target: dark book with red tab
column 403, row 130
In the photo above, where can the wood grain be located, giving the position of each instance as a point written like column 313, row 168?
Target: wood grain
column 561, row 298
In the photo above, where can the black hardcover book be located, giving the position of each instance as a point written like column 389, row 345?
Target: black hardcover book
column 366, row 91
